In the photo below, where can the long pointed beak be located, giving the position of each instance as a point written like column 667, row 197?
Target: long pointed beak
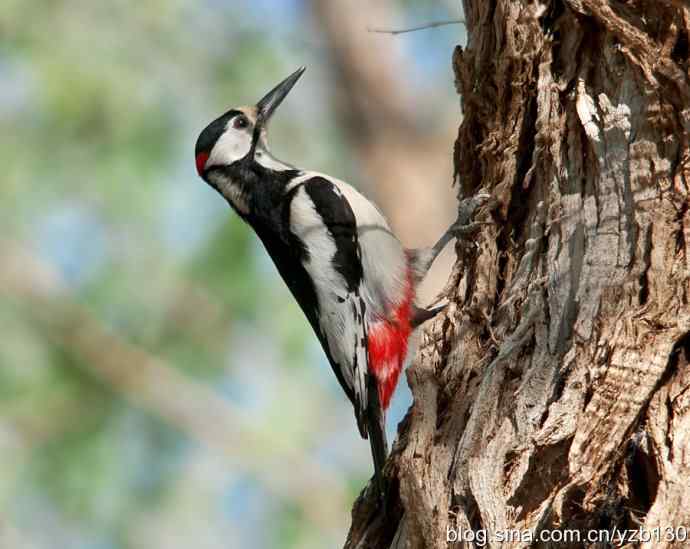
column 269, row 103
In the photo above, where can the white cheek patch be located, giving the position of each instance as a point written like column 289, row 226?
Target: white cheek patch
column 233, row 145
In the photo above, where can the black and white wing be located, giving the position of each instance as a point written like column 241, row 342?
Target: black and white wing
column 324, row 224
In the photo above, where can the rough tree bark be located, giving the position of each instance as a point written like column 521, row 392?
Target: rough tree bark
column 555, row 391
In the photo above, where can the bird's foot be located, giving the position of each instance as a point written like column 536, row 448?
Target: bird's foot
column 464, row 225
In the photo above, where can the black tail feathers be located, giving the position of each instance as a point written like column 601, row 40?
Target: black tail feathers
column 374, row 415
column 376, row 427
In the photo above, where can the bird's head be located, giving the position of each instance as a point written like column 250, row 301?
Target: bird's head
column 239, row 134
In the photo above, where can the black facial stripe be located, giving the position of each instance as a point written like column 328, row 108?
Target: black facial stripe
column 212, row 132
column 338, row 216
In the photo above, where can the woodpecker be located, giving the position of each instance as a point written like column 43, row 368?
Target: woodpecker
column 334, row 249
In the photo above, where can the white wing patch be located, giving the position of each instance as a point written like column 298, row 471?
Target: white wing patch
column 343, row 321
column 384, row 263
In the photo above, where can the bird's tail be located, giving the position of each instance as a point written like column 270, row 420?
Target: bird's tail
column 376, row 428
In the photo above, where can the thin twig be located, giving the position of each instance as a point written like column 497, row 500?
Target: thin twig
column 431, row 25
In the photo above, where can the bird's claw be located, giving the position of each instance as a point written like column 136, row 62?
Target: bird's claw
column 459, row 229
column 468, row 207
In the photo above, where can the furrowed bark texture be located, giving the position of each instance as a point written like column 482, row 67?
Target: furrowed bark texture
column 555, row 391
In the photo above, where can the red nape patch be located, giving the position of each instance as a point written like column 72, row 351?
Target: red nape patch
column 388, row 347
column 201, row 159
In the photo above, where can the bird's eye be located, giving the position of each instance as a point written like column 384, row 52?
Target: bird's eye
column 240, row 122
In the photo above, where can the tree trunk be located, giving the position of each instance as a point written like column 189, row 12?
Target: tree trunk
column 554, row 394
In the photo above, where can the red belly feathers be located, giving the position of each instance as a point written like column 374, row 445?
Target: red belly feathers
column 388, row 339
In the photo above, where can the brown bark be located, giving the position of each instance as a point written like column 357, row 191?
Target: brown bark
column 555, row 391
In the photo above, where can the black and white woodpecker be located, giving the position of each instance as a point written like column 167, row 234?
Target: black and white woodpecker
column 334, row 249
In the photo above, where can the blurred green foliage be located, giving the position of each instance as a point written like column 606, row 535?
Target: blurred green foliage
column 102, row 103
column 100, row 106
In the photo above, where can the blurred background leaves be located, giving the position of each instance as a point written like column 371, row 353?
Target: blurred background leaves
column 158, row 386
